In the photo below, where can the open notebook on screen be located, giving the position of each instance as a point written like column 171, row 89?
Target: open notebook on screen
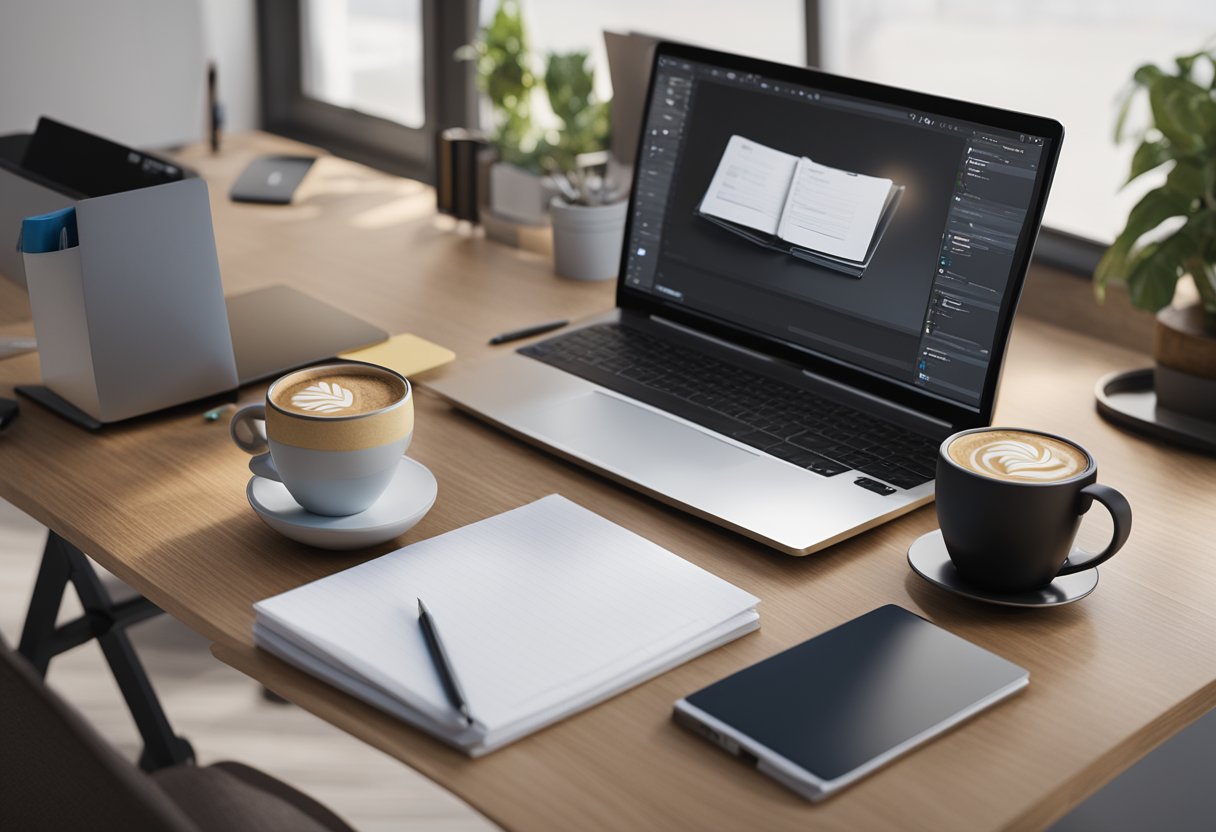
column 832, row 217
column 544, row 611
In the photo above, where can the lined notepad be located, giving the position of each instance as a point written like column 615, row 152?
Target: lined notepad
column 544, row 610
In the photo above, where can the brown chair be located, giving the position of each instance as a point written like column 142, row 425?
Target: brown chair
column 56, row 773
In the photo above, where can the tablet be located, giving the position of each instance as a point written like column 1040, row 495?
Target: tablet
column 828, row 711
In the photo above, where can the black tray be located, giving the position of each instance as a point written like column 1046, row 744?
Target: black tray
column 1127, row 399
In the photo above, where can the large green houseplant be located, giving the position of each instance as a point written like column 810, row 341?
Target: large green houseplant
column 1171, row 232
column 1182, row 131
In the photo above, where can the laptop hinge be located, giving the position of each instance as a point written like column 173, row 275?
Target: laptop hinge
column 711, row 339
column 929, row 424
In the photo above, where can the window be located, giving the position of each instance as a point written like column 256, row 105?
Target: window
column 1066, row 60
column 375, row 79
column 774, row 30
column 372, row 80
column 365, row 55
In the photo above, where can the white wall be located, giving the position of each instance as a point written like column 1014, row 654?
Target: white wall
column 130, row 70
column 230, row 39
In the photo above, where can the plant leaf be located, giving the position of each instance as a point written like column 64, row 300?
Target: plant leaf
column 1151, row 278
column 1153, row 271
column 1147, row 74
column 1182, row 111
column 1205, row 283
column 1186, row 63
column 1154, row 208
column 1149, row 155
column 1187, row 178
column 1125, row 98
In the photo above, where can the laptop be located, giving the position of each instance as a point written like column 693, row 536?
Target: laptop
column 816, row 287
column 277, row 328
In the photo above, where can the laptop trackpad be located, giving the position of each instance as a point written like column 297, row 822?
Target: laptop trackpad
column 623, row 437
column 709, row 474
column 601, row 421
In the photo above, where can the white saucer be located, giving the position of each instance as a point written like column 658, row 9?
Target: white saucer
column 928, row 558
column 408, row 498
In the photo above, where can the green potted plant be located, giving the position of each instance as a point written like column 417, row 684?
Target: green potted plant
column 1171, row 232
column 561, row 171
column 503, row 61
column 588, row 211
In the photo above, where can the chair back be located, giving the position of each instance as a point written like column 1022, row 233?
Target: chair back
column 56, row 772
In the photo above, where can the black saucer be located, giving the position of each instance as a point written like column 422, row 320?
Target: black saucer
column 928, row 558
column 1128, row 400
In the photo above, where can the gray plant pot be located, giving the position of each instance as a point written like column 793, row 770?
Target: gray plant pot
column 587, row 240
column 518, row 195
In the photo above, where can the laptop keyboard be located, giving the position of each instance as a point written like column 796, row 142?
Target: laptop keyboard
column 787, row 422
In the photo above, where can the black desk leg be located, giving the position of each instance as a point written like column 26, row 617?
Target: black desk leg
column 105, row 621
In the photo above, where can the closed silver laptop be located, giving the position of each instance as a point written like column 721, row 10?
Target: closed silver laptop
column 816, row 287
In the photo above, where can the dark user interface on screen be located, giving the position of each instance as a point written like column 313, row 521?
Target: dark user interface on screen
column 852, row 229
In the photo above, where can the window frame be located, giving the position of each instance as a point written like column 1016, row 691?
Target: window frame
column 1061, row 249
column 449, row 96
column 450, row 100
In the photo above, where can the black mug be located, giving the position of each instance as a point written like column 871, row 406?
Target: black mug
column 1010, row 510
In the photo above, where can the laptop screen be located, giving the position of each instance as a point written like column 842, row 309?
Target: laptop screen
column 856, row 230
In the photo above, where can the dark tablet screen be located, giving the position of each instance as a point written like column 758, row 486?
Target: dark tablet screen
column 836, row 702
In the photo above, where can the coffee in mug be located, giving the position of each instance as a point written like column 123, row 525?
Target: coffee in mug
column 333, row 435
column 1017, row 455
column 338, row 394
column 1010, row 501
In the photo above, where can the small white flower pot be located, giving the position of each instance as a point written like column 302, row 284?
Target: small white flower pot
column 587, row 239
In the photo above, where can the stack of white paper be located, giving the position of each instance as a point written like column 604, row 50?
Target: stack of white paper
column 544, row 610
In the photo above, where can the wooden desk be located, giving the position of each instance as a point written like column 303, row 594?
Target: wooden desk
column 160, row 503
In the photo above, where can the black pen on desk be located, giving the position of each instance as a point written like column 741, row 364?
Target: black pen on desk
column 443, row 665
column 527, row 332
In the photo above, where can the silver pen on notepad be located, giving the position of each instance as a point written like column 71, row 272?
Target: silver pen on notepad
column 443, row 664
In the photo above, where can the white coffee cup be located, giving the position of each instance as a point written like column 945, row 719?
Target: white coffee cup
column 335, row 459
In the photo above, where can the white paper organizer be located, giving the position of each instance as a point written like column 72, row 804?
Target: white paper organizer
column 133, row 319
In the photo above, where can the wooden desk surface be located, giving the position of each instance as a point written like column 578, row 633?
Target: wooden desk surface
column 160, row 503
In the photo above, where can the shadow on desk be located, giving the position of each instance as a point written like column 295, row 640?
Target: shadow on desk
column 956, row 613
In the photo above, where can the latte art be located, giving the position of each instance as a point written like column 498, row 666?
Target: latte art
column 1021, row 460
column 338, row 392
column 323, row 397
column 1021, row 456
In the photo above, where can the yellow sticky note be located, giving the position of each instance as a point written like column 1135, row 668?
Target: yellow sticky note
column 407, row 354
